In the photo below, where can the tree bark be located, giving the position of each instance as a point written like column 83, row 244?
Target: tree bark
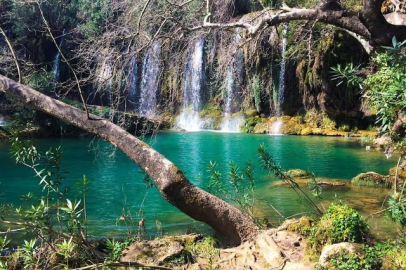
column 398, row 126
column 369, row 23
column 224, row 218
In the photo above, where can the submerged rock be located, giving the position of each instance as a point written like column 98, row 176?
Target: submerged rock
column 298, row 173
column 372, row 179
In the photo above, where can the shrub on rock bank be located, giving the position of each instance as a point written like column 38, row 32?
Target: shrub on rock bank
column 340, row 223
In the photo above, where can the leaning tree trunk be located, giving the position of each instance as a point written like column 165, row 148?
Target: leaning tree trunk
column 224, row 218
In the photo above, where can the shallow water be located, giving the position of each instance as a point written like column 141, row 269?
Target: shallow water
column 116, row 182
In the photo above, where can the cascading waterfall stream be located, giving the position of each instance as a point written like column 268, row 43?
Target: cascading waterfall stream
column 57, row 60
column 133, row 88
column 189, row 119
column 236, row 68
column 150, row 81
column 277, row 126
column 3, row 121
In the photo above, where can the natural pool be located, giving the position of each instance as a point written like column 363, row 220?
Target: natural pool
column 116, row 182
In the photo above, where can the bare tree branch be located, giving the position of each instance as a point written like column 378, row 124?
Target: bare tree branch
column 12, row 52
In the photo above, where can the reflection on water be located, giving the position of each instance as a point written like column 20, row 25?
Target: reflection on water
column 116, row 185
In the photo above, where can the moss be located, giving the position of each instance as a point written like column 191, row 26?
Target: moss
column 327, row 122
column 250, row 123
column 206, row 248
column 371, row 179
column 302, row 226
column 340, row 223
column 306, row 131
column 286, row 118
column 212, row 111
column 360, row 258
column 345, row 128
column 401, row 172
column 292, row 128
column 298, row 173
column 318, row 131
column 251, row 113
column 298, row 119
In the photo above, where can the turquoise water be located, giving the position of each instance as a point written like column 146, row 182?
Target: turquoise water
column 116, row 185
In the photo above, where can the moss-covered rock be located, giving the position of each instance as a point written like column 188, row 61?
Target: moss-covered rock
column 285, row 118
column 340, row 223
column 332, row 252
column 298, row 173
column 401, row 172
column 306, row 131
column 371, row 179
column 300, row 226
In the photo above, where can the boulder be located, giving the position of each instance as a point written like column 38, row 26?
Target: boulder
column 155, row 252
column 298, row 173
column 371, row 179
column 331, row 251
column 401, row 171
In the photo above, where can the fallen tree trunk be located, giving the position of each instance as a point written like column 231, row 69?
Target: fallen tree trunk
column 224, row 218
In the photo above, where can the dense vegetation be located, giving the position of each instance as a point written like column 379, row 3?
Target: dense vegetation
column 87, row 54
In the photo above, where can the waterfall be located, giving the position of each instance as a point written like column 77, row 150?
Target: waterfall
column 277, row 126
column 133, row 87
column 57, row 60
column 150, row 81
column 193, row 89
column 235, row 74
column 3, row 121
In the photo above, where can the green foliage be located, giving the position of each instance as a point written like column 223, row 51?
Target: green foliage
column 315, row 187
column 249, row 124
column 206, row 249
column 270, row 165
column 348, row 75
column 397, row 210
column 4, row 242
column 367, row 139
column 368, row 259
column 66, row 249
column 212, row 111
column 241, row 182
column 257, row 86
column 28, row 252
column 114, row 249
column 317, row 119
column 57, row 220
column 340, row 223
column 94, row 15
column 386, row 89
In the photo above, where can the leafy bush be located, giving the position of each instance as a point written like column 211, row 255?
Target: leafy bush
column 367, row 139
column 370, row 259
column 340, row 223
column 249, row 124
column 397, row 210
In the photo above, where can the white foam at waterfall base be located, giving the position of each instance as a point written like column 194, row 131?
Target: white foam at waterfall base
column 276, row 128
column 189, row 120
column 3, row 121
column 232, row 124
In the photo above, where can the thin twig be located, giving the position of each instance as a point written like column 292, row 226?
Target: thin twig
column 12, row 52
column 65, row 60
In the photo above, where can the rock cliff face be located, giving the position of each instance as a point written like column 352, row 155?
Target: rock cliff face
column 239, row 76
